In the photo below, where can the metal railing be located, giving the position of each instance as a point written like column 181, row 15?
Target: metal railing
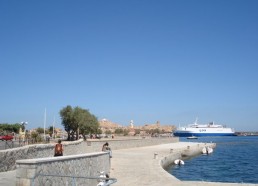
column 69, row 180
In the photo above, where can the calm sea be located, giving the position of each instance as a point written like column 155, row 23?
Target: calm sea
column 235, row 159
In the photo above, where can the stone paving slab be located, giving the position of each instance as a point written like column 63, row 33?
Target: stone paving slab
column 8, row 178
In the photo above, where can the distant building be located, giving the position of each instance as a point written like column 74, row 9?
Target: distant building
column 109, row 125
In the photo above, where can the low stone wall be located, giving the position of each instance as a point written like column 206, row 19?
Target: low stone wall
column 62, row 170
column 116, row 144
column 9, row 156
column 50, row 170
column 184, row 153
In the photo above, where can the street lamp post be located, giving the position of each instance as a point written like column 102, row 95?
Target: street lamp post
column 23, row 125
column 22, row 131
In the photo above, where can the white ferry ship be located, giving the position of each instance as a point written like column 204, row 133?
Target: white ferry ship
column 209, row 129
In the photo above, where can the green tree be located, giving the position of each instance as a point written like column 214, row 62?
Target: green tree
column 108, row 132
column 35, row 136
column 8, row 128
column 67, row 119
column 89, row 124
column 119, row 131
column 157, row 131
column 51, row 130
column 154, row 131
column 137, row 131
column 126, row 132
column 40, row 130
column 78, row 119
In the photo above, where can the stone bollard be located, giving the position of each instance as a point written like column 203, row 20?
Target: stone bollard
column 171, row 150
column 155, row 155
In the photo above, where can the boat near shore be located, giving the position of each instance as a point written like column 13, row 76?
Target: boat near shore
column 207, row 150
column 179, row 162
column 199, row 130
column 192, row 137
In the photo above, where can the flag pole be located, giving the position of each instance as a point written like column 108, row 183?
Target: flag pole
column 54, row 128
column 45, row 120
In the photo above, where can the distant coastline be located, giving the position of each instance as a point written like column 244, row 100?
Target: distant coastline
column 246, row 133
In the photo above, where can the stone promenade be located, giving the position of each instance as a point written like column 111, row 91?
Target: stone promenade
column 142, row 166
column 137, row 166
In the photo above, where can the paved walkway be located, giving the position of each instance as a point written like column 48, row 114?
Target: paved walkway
column 8, row 178
column 137, row 166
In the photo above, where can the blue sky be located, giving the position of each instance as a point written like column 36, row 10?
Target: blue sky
column 146, row 61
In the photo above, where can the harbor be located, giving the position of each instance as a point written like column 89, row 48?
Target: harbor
column 144, row 165
column 137, row 166
column 231, row 161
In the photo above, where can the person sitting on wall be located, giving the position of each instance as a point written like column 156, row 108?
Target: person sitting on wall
column 106, row 148
column 59, row 149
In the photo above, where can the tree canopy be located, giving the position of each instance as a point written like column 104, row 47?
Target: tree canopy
column 9, row 127
column 77, row 120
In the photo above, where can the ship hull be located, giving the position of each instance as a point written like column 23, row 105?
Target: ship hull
column 199, row 130
column 188, row 134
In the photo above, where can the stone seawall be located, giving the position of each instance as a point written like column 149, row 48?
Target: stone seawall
column 181, row 153
column 116, row 144
column 8, row 157
column 62, row 170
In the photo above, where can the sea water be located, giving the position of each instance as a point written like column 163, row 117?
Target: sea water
column 235, row 160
